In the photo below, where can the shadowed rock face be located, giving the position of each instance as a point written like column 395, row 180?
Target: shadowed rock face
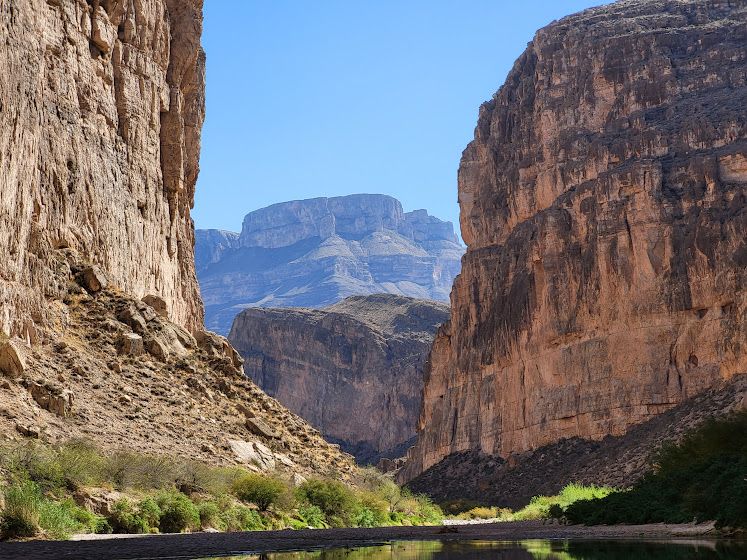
column 102, row 106
column 312, row 253
column 603, row 201
column 353, row 370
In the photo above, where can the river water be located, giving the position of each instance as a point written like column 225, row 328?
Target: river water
column 522, row 550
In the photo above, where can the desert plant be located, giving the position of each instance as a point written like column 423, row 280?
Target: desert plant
column 311, row 516
column 260, row 490
column 178, row 513
column 335, row 499
column 209, row 515
column 20, row 515
column 125, row 518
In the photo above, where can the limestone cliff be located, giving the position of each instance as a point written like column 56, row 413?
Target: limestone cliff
column 312, row 253
column 101, row 337
column 603, row 201
column 101, row 106
column 353, row 370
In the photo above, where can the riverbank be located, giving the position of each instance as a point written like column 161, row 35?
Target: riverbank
column 198, row 545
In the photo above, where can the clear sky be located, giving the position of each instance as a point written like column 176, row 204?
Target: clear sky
column 333, row 97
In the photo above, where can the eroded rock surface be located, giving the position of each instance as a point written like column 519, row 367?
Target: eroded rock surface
column 604, row 204
column 354, row 370
column 313, row 253
column 175, row 395
column 101, row 106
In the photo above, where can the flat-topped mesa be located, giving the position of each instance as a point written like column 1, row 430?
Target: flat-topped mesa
column 99, row 137
column 313, row 253
column 350, row 217
column 604, row 204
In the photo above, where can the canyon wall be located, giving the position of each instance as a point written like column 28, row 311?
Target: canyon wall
column 604, row 205
column 101, row 106
column 353, row 370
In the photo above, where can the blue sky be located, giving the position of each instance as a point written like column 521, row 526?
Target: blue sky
column 335, row 97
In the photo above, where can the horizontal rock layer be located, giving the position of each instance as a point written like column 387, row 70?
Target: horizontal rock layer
column 353, row 370
column 604, row 204
column 312, row 253
column 101, row 106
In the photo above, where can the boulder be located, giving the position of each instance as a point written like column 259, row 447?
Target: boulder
column 92, row 279
column 253, row 453
column 130, row 344
column 13, row 357
column 54, row 399
column 258, row 427
column 158, row 304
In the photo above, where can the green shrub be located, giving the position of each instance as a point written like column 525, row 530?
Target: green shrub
column 701, row 478
column 209, row 515
column 59, row 520
column 125, row 518
column 20, row 516
column 312, row 516
column 335, row 499
column 178, row 513
column 262, row 491
column 149, row 510
column 81, row 464
column 241, row 518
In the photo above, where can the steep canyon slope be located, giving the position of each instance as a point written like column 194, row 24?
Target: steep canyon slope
column 354, row 370
column 101, row 108
column 604, row 205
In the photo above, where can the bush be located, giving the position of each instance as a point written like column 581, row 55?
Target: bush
column 59, row 520
column 241, row 518
column 335, row 499
column 701, row 478
column 262, row 491
column 20, row 516
column 209, row 515
column 81, row 464
column 178, row 513
column 126, row 518
column 311, row 516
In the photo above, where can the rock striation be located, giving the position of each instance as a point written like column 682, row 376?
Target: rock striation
column 313, row 253
column 604, row 205
column 101, row 321
column 101, row 106
column 353, row 370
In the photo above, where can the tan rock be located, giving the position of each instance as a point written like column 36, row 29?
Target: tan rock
column 13, row 357
column 101, row 155
column 258, row 427
column 93, row 279
column 56, row 400
column 606, row 271
column 130, row 344
column 253, row 453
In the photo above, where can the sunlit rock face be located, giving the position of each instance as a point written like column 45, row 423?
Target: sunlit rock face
column 353, row 370
column 603, row 202
column 312, row 253
column 101, row 106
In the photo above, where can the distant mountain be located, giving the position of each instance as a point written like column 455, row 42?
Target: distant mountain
column 313, row 253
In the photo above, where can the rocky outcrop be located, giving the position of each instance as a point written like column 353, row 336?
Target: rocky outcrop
column 312, row 253
column 604, row 204
column 125, row 377
column 353, row 370
column 101, row 106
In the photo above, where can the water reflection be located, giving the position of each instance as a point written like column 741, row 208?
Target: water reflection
column 522, row 550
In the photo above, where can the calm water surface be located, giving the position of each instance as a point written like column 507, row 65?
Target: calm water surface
column 522, row 550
